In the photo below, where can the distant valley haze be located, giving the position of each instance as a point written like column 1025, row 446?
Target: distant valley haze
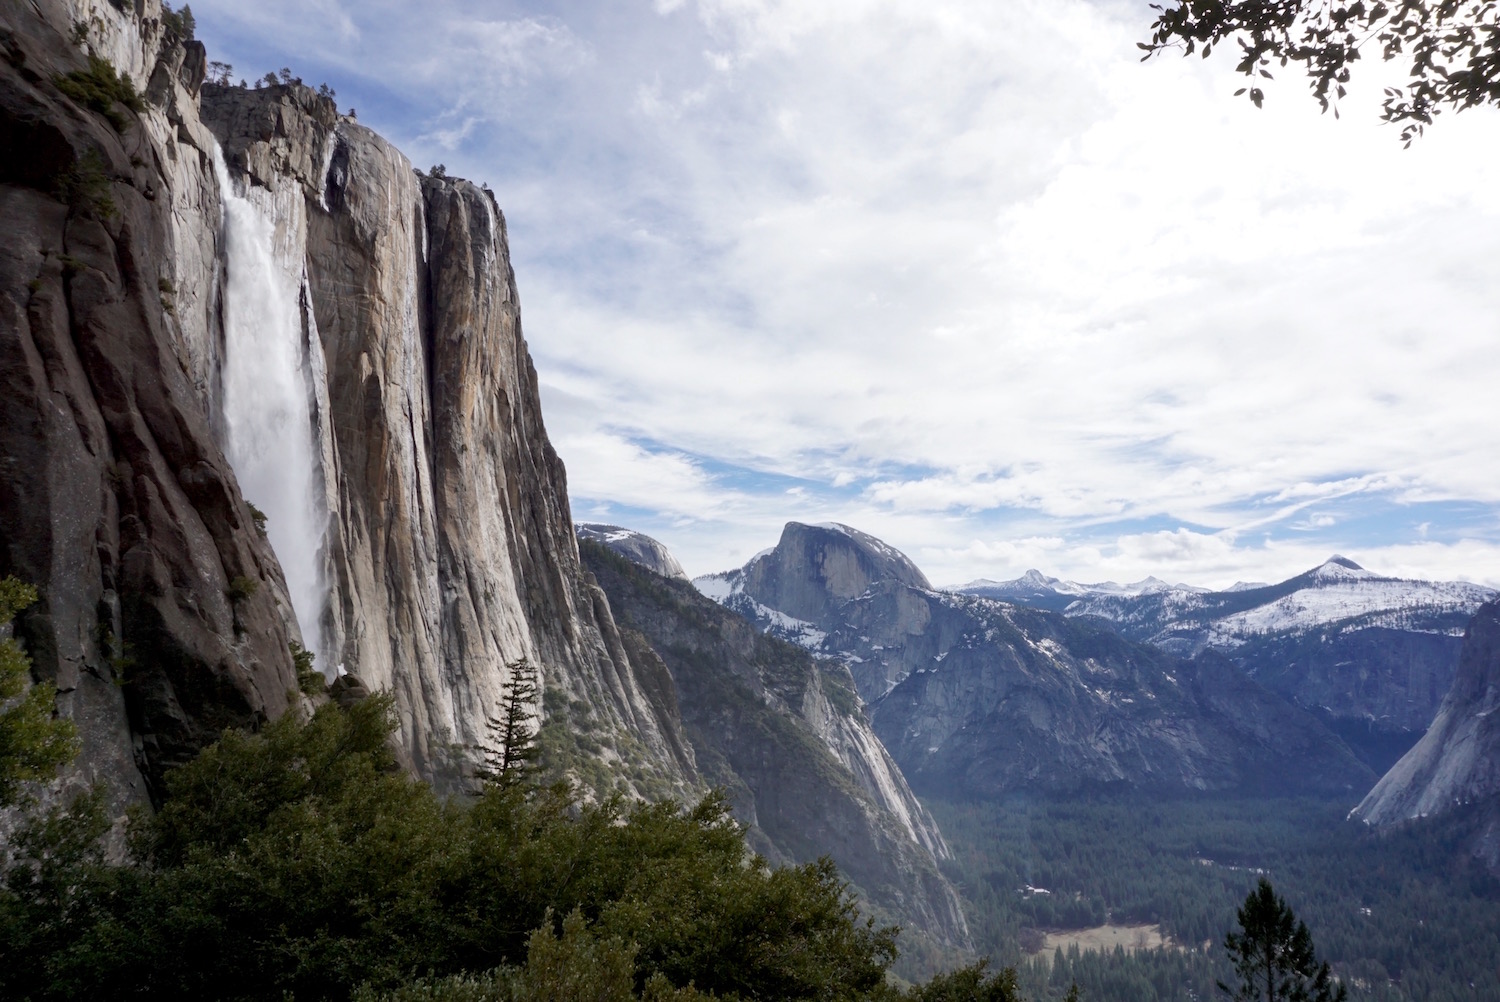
column 966, row 275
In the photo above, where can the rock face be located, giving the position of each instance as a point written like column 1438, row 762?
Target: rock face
column 975, row 697
column 439, row 546
column 636, row 547
column 785, row 735
column 1457, row 762
column 164, row 615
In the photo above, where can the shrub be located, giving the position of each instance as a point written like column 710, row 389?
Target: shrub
column 309, row 679
column 242, row 588
column 101, row 89
column 32, row 743
column 86, row 187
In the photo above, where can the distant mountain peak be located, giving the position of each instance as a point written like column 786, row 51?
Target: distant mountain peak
column 1340, row 568
column 634, row 546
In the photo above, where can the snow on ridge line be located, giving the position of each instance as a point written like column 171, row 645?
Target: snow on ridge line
column 719, row 587
column 1350, row 598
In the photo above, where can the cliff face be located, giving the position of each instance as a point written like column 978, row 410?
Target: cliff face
column 975, row 697
column 1457, row 762
column 164, row 614
column 306, row 322
column 784, row 734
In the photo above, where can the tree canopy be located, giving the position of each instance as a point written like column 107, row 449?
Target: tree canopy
column 301, row 861
column 1273, row 955
column 1453, row 47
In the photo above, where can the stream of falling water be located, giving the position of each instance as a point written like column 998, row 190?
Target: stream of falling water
column 268, row 410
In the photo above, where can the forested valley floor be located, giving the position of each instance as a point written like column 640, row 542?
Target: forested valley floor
column 1404, row 915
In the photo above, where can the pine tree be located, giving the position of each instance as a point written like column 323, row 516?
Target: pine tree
column 1273, row 954
column 513, row 750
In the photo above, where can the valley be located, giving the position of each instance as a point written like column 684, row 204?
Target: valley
column 1408, row 915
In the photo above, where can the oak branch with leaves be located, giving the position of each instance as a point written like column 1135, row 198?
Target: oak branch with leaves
column 1453, row 47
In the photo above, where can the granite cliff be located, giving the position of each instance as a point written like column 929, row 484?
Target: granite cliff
column 217, row 298
column 1456, row 765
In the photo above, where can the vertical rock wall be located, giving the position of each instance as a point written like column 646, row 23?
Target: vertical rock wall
column 450, row 548
column 448, row 552
column 163, row 613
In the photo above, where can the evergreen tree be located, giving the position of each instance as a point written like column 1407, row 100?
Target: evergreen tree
column 1273, row 954
column 509, row 757
column 33, row 741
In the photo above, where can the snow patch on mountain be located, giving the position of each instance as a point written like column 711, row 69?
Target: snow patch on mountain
column 1343, row 594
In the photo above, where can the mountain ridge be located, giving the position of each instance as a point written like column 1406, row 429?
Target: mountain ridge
column 975, row 696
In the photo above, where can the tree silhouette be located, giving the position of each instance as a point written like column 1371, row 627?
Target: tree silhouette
column 1273, row 955
column 1453, row 48
column 512, row 749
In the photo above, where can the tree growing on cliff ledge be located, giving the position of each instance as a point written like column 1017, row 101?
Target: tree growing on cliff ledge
column 1453, row 47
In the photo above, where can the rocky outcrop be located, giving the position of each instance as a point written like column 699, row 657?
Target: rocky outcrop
column 785, row 735
column 975, row 697
column 438, row 548
column 634, row 546
column 1457, row 762
column 163, row 616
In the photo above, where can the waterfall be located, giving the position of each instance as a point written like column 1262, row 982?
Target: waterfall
column 270, row 355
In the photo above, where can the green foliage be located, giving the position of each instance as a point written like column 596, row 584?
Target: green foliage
column 242, row 588
column 32, row 743
column 511, row 756
column 577, row 966
column 1272, row 954
column 86, row 186
column 309, row 679
column 178, row 24
column 101, row 89
column 258, row 517
column 1453, row 48
column 969, row 984
column 1402, row 916
column 300, row 860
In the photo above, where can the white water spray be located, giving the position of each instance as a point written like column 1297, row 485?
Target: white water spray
column 268, row 410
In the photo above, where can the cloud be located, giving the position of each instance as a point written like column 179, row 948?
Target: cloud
column 966, row 274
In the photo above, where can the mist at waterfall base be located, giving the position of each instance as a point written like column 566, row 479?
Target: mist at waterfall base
column 267, row 400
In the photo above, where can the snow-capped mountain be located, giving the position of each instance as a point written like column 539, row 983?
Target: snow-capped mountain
column 632, row 545
column 1338, row 594
column 1043, row 592
column 1372, row 654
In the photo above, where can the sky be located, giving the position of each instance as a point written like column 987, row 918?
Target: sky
column 969, row 276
